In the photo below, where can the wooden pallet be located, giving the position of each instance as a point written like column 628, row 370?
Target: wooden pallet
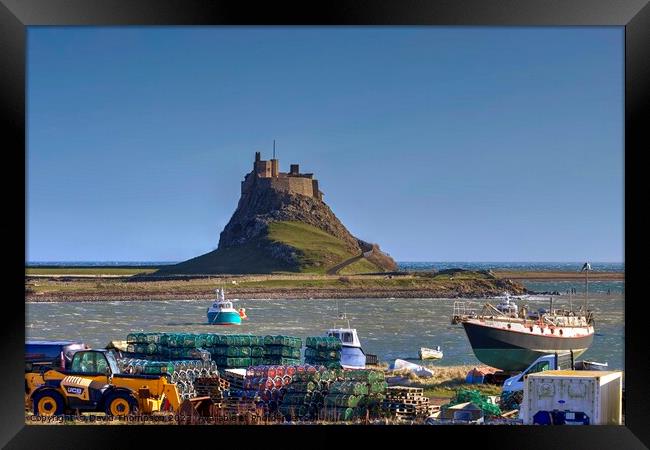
column 212, row 382
column 401, row 409
column 403, row 416
column 394, row 404
column 404, row 390
column 408, row 410
column 403, row 397
column 415, row 401
column 210, row 391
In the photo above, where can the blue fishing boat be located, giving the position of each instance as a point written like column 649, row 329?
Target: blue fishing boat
column 222, row 312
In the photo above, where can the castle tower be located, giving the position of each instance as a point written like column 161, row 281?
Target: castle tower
column 266, row 175
column 262, row 169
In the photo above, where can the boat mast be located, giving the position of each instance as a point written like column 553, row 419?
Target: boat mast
column 586, row 268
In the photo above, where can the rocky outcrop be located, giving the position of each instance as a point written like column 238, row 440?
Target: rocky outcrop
column 261, row 206
column 282, row 224
column 255, row 211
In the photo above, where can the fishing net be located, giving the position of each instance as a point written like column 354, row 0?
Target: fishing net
column 478, row 399
column 511, row 400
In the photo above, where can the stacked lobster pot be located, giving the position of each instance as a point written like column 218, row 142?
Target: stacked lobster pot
column 325, row 351
column 168, row 346
column 235, row 351
column 282, row 350
column 183, row 373
column 268, row 384
column 358, row 395
column 305, row 396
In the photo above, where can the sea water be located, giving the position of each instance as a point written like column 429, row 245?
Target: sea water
column 390, row 328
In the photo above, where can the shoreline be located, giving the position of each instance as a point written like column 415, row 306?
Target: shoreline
column 459, row 285
column 559, row 276
column 274, row 295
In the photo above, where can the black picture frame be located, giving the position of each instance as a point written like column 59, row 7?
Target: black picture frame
column 16, row 15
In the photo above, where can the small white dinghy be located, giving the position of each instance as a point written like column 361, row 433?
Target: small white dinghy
column 430, row 353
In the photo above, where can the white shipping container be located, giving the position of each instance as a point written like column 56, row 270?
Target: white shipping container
column 598, row 394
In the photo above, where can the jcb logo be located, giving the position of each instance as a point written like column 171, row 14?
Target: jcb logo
column 74, row 390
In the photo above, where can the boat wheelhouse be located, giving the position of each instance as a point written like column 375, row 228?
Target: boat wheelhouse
column 352, row 355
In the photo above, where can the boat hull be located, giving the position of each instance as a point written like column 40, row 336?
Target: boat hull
column 224, row 318
column 352, row 358
column 430, row 354
column 511, row 350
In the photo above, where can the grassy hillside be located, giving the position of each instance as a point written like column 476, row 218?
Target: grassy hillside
column 238, row 260
column 316, row 251
column 360, row 267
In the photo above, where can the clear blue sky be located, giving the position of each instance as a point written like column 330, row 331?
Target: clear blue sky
column 440, row 144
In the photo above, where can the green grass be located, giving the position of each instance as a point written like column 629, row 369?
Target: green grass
column 315, row 249
column 361, row 266
column 449, row 390
column 446, row 382
column 88, row 270
column 249, row 258
column 289, row 282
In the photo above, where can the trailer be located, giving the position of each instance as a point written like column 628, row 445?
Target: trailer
column 571, row 397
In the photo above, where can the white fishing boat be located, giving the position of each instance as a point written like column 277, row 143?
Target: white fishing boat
column 430, row 353
column 511, row 338
column 352, row 355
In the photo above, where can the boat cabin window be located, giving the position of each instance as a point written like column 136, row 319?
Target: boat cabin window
column 347, row 337
column 336, row 335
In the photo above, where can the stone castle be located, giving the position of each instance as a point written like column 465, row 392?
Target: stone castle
column 267, row 175
column 269, row 196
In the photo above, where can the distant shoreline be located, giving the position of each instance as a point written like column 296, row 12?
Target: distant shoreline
column 80, row 287
column 272, row 296
column 128, row 271
column 559, row 276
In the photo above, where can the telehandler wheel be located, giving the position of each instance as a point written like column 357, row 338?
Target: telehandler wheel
column 48, row 402
column 120, row 403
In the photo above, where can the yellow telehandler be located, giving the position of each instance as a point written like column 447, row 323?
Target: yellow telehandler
column 94, row 383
